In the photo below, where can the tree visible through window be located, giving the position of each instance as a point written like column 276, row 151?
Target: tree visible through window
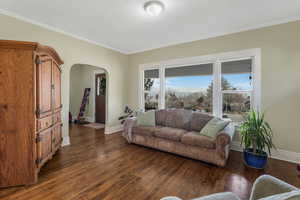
column 151, row 89
column 188, row 87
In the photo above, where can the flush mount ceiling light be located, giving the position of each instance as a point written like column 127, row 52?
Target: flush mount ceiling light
column 154, row 8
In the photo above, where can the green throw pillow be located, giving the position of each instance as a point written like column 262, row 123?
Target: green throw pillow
column 146, row 118
column 213, row 127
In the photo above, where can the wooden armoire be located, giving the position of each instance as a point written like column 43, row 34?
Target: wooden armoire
column 30, row 110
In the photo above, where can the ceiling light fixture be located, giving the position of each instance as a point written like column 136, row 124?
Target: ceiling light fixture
column 154, row 8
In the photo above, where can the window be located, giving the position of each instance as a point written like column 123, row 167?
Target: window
column 236, row 89
column 189, row 87
column 151, row 89
column 226, row 85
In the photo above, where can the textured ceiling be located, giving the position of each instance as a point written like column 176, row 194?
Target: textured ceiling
column 124, row 26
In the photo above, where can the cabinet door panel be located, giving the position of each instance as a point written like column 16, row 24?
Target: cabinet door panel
column 56, row 137
column 56, row 79
column 17, row 123
column 44, row 87
column 44, row 146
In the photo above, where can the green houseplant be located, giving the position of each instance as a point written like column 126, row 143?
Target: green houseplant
column 257, row 139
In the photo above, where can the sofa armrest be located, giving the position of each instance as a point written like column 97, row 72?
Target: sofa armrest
column 267, row 185
column 224, row 139
column 229, row 130
column 128, row 125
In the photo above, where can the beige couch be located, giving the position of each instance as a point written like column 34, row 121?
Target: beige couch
column 177, row 131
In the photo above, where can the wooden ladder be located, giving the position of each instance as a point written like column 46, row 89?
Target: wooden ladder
column 85, row 99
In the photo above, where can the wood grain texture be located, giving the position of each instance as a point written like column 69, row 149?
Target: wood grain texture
column 44, row 87
column 17, row 138
column 33, row 46
column 26, row 91
column 105, row 167
column 56, row 81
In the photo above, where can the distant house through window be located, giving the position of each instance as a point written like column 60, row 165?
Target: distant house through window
column 225, row 85
column 189, row 87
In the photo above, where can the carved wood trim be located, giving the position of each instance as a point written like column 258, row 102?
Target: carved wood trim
column 46, row 50
column 11, row 44
column 34, row 46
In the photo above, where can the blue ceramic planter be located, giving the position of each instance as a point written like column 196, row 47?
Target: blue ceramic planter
column 257, row 161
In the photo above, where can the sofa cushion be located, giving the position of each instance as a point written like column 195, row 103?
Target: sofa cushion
column 178, row 118
column 161, row 116
column 145, row 130
column 199, row 120
column 170, row 133
column 194, row 138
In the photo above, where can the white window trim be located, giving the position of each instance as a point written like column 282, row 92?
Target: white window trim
column 216, row 60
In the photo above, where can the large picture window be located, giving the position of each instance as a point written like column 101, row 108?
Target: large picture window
column 226, row 85
column 189, row 87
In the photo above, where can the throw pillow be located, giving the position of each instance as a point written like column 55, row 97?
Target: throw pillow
column 146, row 118
column 213, row 127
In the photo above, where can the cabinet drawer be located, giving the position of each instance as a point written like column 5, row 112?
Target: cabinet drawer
column 57, row 118
column 44, row 123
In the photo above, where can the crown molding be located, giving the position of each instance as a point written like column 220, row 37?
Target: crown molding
column 57, row 30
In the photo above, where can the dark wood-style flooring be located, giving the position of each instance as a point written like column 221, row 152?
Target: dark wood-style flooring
column 98, row 166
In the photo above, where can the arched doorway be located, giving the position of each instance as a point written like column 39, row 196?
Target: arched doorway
column 89, row 95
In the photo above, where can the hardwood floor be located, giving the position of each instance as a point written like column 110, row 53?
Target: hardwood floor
column 98, row 166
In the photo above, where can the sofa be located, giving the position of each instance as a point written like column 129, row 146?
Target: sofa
column 265, row 187
column 177, row 131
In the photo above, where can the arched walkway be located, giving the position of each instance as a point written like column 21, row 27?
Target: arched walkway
column 83, row 76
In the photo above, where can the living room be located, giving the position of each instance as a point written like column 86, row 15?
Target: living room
column 204, row 60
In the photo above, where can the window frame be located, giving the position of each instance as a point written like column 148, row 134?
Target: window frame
column 142, row 87
column 216, row 60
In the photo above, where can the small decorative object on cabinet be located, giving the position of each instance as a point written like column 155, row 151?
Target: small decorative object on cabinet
column 30, row 110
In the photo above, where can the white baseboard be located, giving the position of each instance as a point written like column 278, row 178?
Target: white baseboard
column 278, row 154
column 66, row 141
column 90, row 119
column 113, row 129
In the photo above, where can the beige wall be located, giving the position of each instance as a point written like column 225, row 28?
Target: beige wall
column 280, row 47
column 81, row 77
column 74, row 51
column 280, row 69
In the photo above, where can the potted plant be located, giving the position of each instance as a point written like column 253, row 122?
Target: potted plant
column 257, row 139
